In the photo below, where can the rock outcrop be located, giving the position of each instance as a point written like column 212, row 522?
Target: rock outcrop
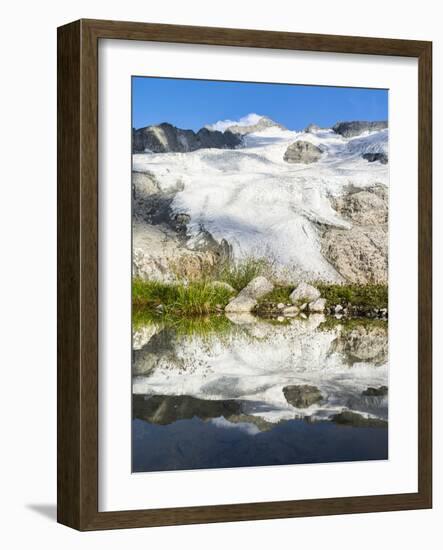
column 161, row 248
column 360, row 253
column 356, row 127
column 302, row 152
column 166, row 138
column 364, row 207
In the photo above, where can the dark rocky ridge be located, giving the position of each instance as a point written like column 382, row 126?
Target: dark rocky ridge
column 166, row 138
column 356, row 127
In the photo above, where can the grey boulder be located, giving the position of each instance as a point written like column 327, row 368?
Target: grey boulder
column 302, row 152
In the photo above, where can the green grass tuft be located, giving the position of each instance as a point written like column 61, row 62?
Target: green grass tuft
column 193, row 298
column 280, row 294
column 239, row 274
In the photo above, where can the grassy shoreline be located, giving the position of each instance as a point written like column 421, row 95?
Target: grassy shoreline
column 205, row 297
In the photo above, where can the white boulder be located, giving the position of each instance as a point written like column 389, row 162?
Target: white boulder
column 247, row 298
column 304, row 293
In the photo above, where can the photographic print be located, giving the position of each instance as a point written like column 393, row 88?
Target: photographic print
column 259, row 274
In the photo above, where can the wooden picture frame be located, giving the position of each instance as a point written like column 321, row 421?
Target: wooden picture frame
column 78, row 274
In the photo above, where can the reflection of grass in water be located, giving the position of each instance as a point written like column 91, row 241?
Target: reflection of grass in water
column 198, row 325
column 193, row 298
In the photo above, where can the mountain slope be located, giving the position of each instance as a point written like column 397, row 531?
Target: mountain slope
column 264, row 206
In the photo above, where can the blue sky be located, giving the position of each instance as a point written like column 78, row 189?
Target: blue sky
column 194, row 103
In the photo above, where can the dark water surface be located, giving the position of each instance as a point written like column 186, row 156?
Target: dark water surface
column 192, row 444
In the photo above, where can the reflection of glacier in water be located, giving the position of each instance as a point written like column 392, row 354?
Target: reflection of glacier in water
column 258, row 393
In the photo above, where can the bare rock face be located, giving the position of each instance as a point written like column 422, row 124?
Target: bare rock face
column 359, row 254
column 356, row 127
column 364, row 207
column 247, row 298
column 302, row 152
column 302, row 396
column 162, row 257
column 304, row 293
column 161, row 249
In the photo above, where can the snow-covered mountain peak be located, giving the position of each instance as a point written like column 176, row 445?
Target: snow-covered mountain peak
column 246, row 125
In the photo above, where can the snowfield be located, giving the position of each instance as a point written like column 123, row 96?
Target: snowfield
column 262, row 205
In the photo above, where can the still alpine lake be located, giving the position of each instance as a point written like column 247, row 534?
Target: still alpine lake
column 239, row 390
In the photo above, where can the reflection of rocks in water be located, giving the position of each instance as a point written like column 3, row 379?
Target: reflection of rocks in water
column 159, row 349
column 165, row 409
column 264, row 364
column 257, row 421
column 142, row 335
column 363, row 343
column 376, row 392
column 350, row 418
column 377, row 406
column 302, row 396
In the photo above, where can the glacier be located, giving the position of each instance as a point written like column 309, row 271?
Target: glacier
column 262, row 205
